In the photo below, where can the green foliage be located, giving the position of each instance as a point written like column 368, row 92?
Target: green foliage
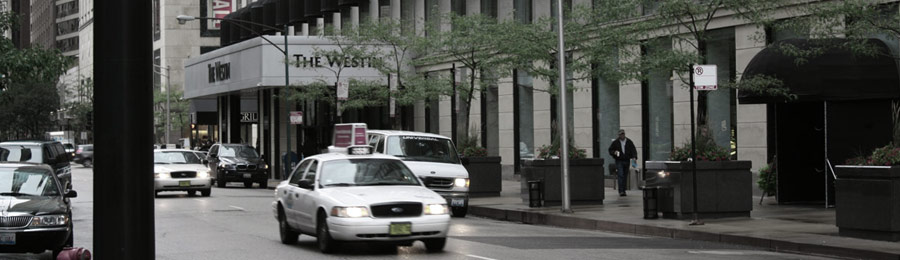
column 470, row 147
column 767, row 180
column 82, row 108
column 887, row 155
column 178, row 112
column 706, row 148
column 554, row 149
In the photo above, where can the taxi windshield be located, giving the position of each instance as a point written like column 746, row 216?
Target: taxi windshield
column 27, row 181
column 366, row 172
column 175, row 158
column 422, row 148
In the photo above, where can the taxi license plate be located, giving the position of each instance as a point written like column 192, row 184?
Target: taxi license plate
column 401, row 229
column 457, row 202
column 247, row 175
column 7, row 238
column 184, row 183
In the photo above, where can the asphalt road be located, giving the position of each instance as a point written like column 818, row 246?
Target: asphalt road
column 237, row 223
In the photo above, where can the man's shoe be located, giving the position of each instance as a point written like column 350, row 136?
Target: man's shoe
column 621, row 194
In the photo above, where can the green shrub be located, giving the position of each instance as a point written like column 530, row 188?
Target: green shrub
column 767, row 179
column 706, row 148
column 469, row 146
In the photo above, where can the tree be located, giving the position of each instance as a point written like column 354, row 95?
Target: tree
column 28, row 95
column 82, row 108
column 178, row 112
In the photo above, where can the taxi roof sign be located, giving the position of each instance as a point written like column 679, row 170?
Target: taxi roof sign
column 346, row 135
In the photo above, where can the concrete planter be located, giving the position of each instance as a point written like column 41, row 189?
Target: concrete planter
column 585, row 180
column 484, row 176
column 725, row 188
column 867, row 201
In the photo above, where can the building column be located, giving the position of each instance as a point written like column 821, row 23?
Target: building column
column 542, row 124
column 234, row 119
column 631, row 116
column 506, row 127
column 581, row 115
column 751, row 118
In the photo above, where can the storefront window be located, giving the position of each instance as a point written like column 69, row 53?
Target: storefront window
column 657, row 106
column 522, row 10
column 525, row 114
column 432, row 16
column 720, row 104
column 606, row 95
column 384, row 9
column 365, row 12
column 489, row 8
column 408, row 16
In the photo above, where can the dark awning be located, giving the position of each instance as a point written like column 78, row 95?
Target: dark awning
column 836, row 74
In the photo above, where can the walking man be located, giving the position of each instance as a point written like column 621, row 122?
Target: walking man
column 622, row 150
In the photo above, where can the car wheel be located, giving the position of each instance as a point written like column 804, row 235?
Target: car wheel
column 248, row 184
column 323, row 237
column 435, row 244
column 220, row 183
column 264, row 184
column 88, row 163
column 459, row 212
column 288, row 236
column 192, row 193
column 205, row 192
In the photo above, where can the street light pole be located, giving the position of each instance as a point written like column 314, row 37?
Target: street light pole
column 563, row 122
column 168, row 88
column 184, row 18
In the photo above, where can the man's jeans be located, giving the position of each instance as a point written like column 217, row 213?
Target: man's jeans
column 622, row 168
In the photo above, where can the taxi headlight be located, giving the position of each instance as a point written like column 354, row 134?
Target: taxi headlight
column 162, row 175
column 436, row 209
column 49, row 220
column 202, row 174
column 461, row 182
column 349, row 212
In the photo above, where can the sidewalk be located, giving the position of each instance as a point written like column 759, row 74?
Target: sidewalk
column 796, row 229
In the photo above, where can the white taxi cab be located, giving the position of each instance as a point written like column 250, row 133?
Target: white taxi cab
column 359, row 196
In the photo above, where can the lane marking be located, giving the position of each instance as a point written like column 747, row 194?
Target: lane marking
column 238, row 208
column 714, row 252
column 198, row 200
column 480, row 257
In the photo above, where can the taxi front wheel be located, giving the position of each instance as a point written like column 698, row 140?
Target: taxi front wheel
column 327, row 244
column 435, row 244
column 288, row 236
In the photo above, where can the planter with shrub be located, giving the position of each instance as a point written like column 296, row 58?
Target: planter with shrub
column 585, row 176
column 867, row 195
column 484, row 171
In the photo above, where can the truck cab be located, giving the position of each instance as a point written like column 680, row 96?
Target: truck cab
column 432, row 158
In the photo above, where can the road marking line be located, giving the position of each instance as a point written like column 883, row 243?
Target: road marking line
column 198, row 199
column 236, row 207
column 480, row 257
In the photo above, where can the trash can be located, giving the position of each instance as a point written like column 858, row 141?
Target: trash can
column 535, row 193
column 651, row 210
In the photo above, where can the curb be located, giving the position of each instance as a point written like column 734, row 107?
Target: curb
column 777, row 245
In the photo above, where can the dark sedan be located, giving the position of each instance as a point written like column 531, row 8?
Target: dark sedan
column 36, row 212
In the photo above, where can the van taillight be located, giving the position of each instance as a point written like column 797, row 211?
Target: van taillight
column 78, row 151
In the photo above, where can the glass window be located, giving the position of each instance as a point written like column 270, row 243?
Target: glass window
column 407, row 17
column 720, row 104
column 175, row 158
column 422, row 148
column 458, row 7
column 366, row 172
column 32, row 181
column 525, row 129
column 240, row 151
column 658, row 106
column 606, row 93
column 365, row 12
column 18, row 153
column 489, row 8
column 297, row 173
column 432, row 15
column 384, row 9
column 311, row 172
column 522, row 9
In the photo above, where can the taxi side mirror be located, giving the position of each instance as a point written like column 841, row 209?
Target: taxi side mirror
column 305, row 184
column 71, row 194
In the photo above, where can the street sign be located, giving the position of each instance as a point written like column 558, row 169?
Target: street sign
column 343, row 92
column 296, row 117
column 705, row 77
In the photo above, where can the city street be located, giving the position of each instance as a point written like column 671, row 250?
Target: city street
column 237, row 223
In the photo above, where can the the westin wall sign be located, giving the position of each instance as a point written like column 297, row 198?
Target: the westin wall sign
column 219, row 71
column 333, row 61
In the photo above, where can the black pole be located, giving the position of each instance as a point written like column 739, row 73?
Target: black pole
column 696, row 220
column 123, row 203
column 453, row 105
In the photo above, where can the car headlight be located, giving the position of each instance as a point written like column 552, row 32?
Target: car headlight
column 350, row 212
column 202, row 174
column 265, row 166
column 226, row 166
column 49, row 220
column 161, row 175
column 436, row 209
column 461, row 182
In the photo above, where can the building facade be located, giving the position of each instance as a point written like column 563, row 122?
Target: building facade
column 516, row 116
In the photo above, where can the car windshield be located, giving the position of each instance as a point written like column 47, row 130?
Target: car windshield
column 21, row 153
column 422, row 148
column 245, row 152
column 27, row 181
column 366, row 172
column 175, row 158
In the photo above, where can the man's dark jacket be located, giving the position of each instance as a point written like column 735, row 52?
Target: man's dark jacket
column 629, row 153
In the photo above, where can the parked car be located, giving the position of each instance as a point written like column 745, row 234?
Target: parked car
column 84, row 155
column 47, row 152
column 37, row 214
column 180, row 170
column 361, row 197
column 237, row 163
column 433, row 158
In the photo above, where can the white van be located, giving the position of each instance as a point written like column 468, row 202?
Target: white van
column 433, row 158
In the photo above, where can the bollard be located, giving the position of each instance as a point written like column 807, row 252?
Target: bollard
column 651, row 210
column 535, row 193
